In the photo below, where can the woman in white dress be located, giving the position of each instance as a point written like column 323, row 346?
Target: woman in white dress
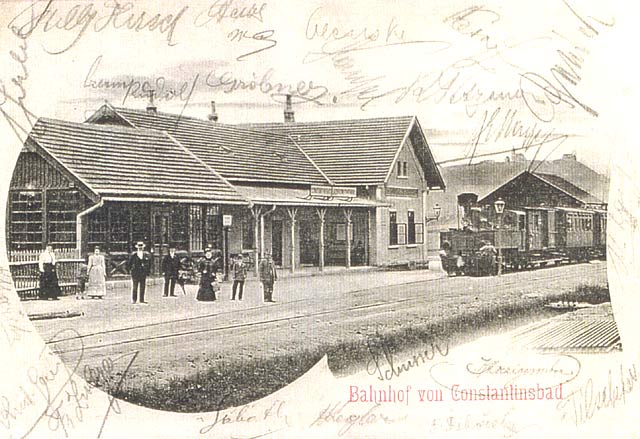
column 97, row 270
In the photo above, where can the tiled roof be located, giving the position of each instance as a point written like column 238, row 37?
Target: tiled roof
column 569, row 188
column 236, row 153
column 358, row 151
column 121, row 162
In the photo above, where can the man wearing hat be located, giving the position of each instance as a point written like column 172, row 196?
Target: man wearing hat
column 268, row 276
column 170, row 269
column 239, row 272
column 139, row 266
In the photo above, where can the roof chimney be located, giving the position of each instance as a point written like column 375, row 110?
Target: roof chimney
column 288, row 111
column 151, row 106
column 213, row 117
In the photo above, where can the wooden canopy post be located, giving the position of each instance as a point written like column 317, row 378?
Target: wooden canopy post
column 293, row 212
column 368, row 243
column 255, row 212
column 322, row 213
column 261, row 236
column 262, row 215
column 347, row 215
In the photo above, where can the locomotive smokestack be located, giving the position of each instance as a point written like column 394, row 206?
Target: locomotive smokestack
column 466, row 201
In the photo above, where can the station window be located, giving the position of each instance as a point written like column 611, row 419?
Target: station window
column 419, row 233
column 536, row 221
column 415, row 231
column 195, row 220
column 213, row 227
column 403, row 169
column 402, row 234
column 393, row 228
column 26, row 220
column 62, row 208
column 180, row 226
column 411, row 227
column 119, row 228
column 97, row 228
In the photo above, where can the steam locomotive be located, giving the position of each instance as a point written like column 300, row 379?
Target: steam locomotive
column 494, row 239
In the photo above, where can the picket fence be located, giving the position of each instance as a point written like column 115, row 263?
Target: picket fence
column 26, row 274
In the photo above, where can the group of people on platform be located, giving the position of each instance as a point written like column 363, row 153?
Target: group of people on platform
column 209, row 284
column 207, row 267
column 93, row 275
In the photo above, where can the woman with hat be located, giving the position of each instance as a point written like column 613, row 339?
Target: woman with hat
column 97, row 272
column 207, row 268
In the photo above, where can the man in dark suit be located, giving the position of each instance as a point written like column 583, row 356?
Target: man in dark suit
column 268, row 276
column 239, row 272
column 170, row 270
column 139, row 266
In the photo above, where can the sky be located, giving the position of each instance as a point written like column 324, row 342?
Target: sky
column 483, row 80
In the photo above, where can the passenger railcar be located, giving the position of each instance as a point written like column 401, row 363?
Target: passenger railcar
column 522, row 238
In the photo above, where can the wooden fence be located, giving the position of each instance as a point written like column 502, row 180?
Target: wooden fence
column 26, row 274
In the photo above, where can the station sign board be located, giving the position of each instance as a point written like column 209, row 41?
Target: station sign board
column 329, row 192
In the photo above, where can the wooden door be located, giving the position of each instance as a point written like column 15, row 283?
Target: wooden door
column 276, row 241
column 551, row 218
column 160, row 235
column 309, row 242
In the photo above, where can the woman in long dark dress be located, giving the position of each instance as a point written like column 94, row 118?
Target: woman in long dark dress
column 207, row 268
column 49, row 287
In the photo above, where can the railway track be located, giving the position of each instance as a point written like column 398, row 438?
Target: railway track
column 131, row 334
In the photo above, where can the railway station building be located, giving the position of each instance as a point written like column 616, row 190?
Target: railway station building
column 347, row 192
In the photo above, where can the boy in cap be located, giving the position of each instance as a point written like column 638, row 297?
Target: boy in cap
column 239, row 272
column 139, row 266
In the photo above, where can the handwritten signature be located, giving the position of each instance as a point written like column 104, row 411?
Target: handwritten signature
column 82, row 17
column 247, row 414
column 226, row 81
column 265, row 36
column 13, row 105
column 348, row 416
column 221, row 10
column 65, row 398
column 584, row 403
column 383, row 363
column 560, row 369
